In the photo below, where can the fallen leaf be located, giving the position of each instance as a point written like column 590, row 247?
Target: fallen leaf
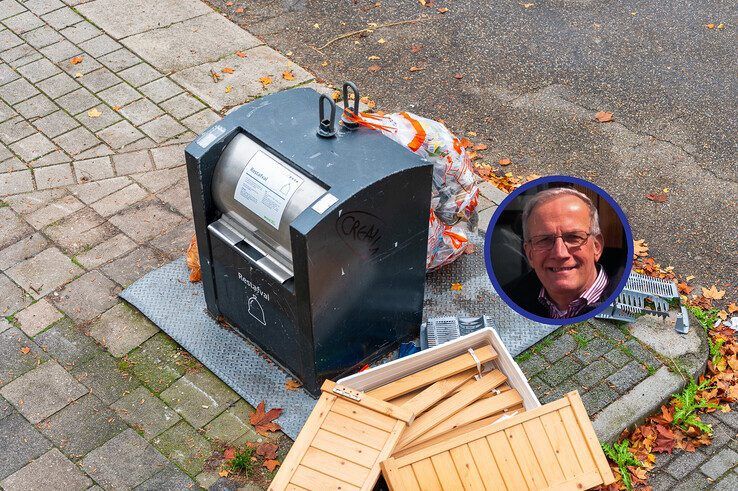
column 640, row 248
column 25, row 350
column 721, row 26
column 415, row 48
column 733, row 308
column 229, row 453
column 382, row 41
column 271, row 464
column 116, row 108
column 442, row 10
column 94, row 113
column 316, row 26
column 76, row 60
column 324, row 63
column 422, row 2
column 229, row 4
column 710, row 26
column 224, row 473
column 193, row 261
column 263, row 421
column 240, row 54
column 416, row 68
column 684, row 288
column 480, row 147
column 456, row 287
column 689, row 278
column 267, row 450
column 527, row 5
column 472, row 133
column 458, row 76
column 265, row 81
column 228, row 70
column 228, row 89
column 722, row 314
column 505, row 161
column 288, row 75
column 78, row 75
column 239, row 10
column 292, row 384
column 465, row 143
column 603, row 117
column 372, row 57
column 713, row 293
column 658, row 197
column 336, row 95
column 215, row 76
column 374, row 68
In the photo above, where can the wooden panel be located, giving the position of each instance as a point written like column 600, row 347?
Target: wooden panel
column 358, row 413
column 437, row 391
column 486, row 465
column 585, row 481
column 503, row 454
column 432, row 374
column 466, row 468
column 369, row 402
column 589, row 435
column 561, row 444
column 292, row 487
column 384, row 454
column 527, row 461
column 348, row 449
column 425, row 473
column 446, row 471
column 545, row 455
column 312, row 479
column 586, row 462
column 355, row 430
column 450, row 407
column 335, row 466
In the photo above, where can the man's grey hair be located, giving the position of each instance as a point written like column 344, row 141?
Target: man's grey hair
column 548, row 195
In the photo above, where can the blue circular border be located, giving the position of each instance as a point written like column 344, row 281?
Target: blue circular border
column 496, row 216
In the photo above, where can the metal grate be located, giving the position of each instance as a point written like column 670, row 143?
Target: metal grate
column 439, row 330
column 646, row 285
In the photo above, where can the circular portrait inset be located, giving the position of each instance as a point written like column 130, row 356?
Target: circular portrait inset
column 558, row 250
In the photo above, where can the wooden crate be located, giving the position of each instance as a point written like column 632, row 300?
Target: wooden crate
column 552, row 447
column 345, row 438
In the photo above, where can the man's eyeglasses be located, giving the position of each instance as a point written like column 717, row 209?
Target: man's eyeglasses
column 543, row 243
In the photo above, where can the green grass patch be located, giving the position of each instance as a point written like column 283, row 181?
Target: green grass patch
column 581, row 340
column 705, row 317
column 621, row 455
column 651, row 370
column 687, row 404
column 3, row 204
column 524, row 356
column 626, row 350
column 242, row 463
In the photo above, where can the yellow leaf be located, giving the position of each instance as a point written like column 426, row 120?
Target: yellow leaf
column 76, row 60
column 713, row 293
column 78, row 75
column 336, row 95
column 442, row 10
column 382, row 41
column 689, row 278
column 372, row 57
column 472, row 133
column 316, row 26
column 456, row 287
column 94, row 113
column 228, row 70
column 722, row 314
column 288, row 75
column 265, row 81
column 422, row 2
column 292, row 384
column 733, row 308
column 116, row 108
column 528, row 5
column 223, row 473
column 721, row 26
column 711, row 26
column 228, row 88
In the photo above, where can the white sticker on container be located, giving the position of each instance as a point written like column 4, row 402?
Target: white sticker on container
column 266, row 186
column 324, row 203
column 209, row 136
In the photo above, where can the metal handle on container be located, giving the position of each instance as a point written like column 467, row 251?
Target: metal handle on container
column 327, row 127
column 350, row 125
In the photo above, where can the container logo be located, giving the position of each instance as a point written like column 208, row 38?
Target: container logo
column 361, row 231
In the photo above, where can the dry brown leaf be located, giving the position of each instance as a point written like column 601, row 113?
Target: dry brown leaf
column 415, row 48
column 336, row 95
column 603, row 117
column 271, row 464
column 456, row 287
column 193, row 261
column 215, row 76
column 229, row 453
column 292, row 384
column 115, row 108
column 267, row 450
column 658, row 197
column 264, row 421
column 416, row 68
column 710, row 26
column 25, row 350
column 374, row 68
column 722, row 314
column 640, row 248
column 228, row 70
column 224, row 472
column 733, row 308
column 505, row 161
column 288, row 75
column 239, row 10
column 94, row 113
column 229, row 4
column 77, row 60
column 265, row 81
column 442, row 10
column 458, row 76
column 713, row 293
column 480, row 147
column 240, row 54
column 422, row 2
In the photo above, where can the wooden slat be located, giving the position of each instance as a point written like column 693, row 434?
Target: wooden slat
column 384, row 454
column 586, row 462
column 545, row 455
column 372, row 418
column 437, row 391
column 585, row 481
column 481, row 409
column 425, row 473
column 446, row 471
column 398, row 479
column 506, row 462
column 372, row 403
column 304, row 439
column 432, row 374
column 335, row 466
column 486, row 465
column 526, row 458
column 450, row 407
column 400, row 400
column 348, row 449
column 312, row 479
column 466, row 468
column 561, row 444
column 580, row 412
column 292, row 487
column 409, row 481
column 355, row 430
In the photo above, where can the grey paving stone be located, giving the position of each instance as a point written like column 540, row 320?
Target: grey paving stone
column 12, row 298
column 79, row 69
column 107, row 251
column 53, row 211
column 21, row 443
column 119, row 60
column 160, row 90
column 91, row 192
column 100, row 150
column 129, row 268
column 119, row 135
column 140, row 74
column 145, row 413
column 54, row 176
column 141, row 111
column 168, row 156
column 82, row 426
column 593, row 350
column 184, row 446
column 13, row 164
column 592, row 373
column 641, row 354
column 53, row 158
column 77, row 141
column 39, row 70
column 67, row 344
column 160, row 180
column 4, row 326
column 44, row 272
column 549, row 394
column 8, row 39
column 15, row 129
column 20, row 55
column 684, row 464
column 199, row 397
column 721, row 433
column 560, row 347
column 17, row 91
column 80, row 32
column 232, row 425
column 132, row 162
column 61, row 51
column 533, row 365
column 25, row 21
column 78, row 101
column 142, row 222
column 58, row 85
column 37, row 317
column 80, row 231
column 33, row 147
column 181, row 106
column 202, row 120
column 625, row 378
column 43, row 391
column 203, row 39
column 105, row 378
column 12, row 227
column 22, row 250
column 99, row 80
column 158, row 362
column 661, row 481
column 93, row 169
column 729, row 418
column 50, row 470
column 13, row 361
column 42, row 37
column 36, row 107
column 123, row 462
column 163, row 128
column 16, row 182
column 10, row 8
column 598, row 397
column 7, row 74
column 617, row 358
column 168, row 479
column 99, row 293
column 121, row 19
column 720, row 463
column 41, row 7
column 122, row 329
column 728, row 482
column 100, row 118
column 100, row 45
column 61, row 18
column 28, row 203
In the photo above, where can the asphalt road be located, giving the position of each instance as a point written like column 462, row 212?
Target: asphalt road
column 532, row 77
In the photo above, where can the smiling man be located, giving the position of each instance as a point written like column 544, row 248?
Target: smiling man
column 563, row 244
